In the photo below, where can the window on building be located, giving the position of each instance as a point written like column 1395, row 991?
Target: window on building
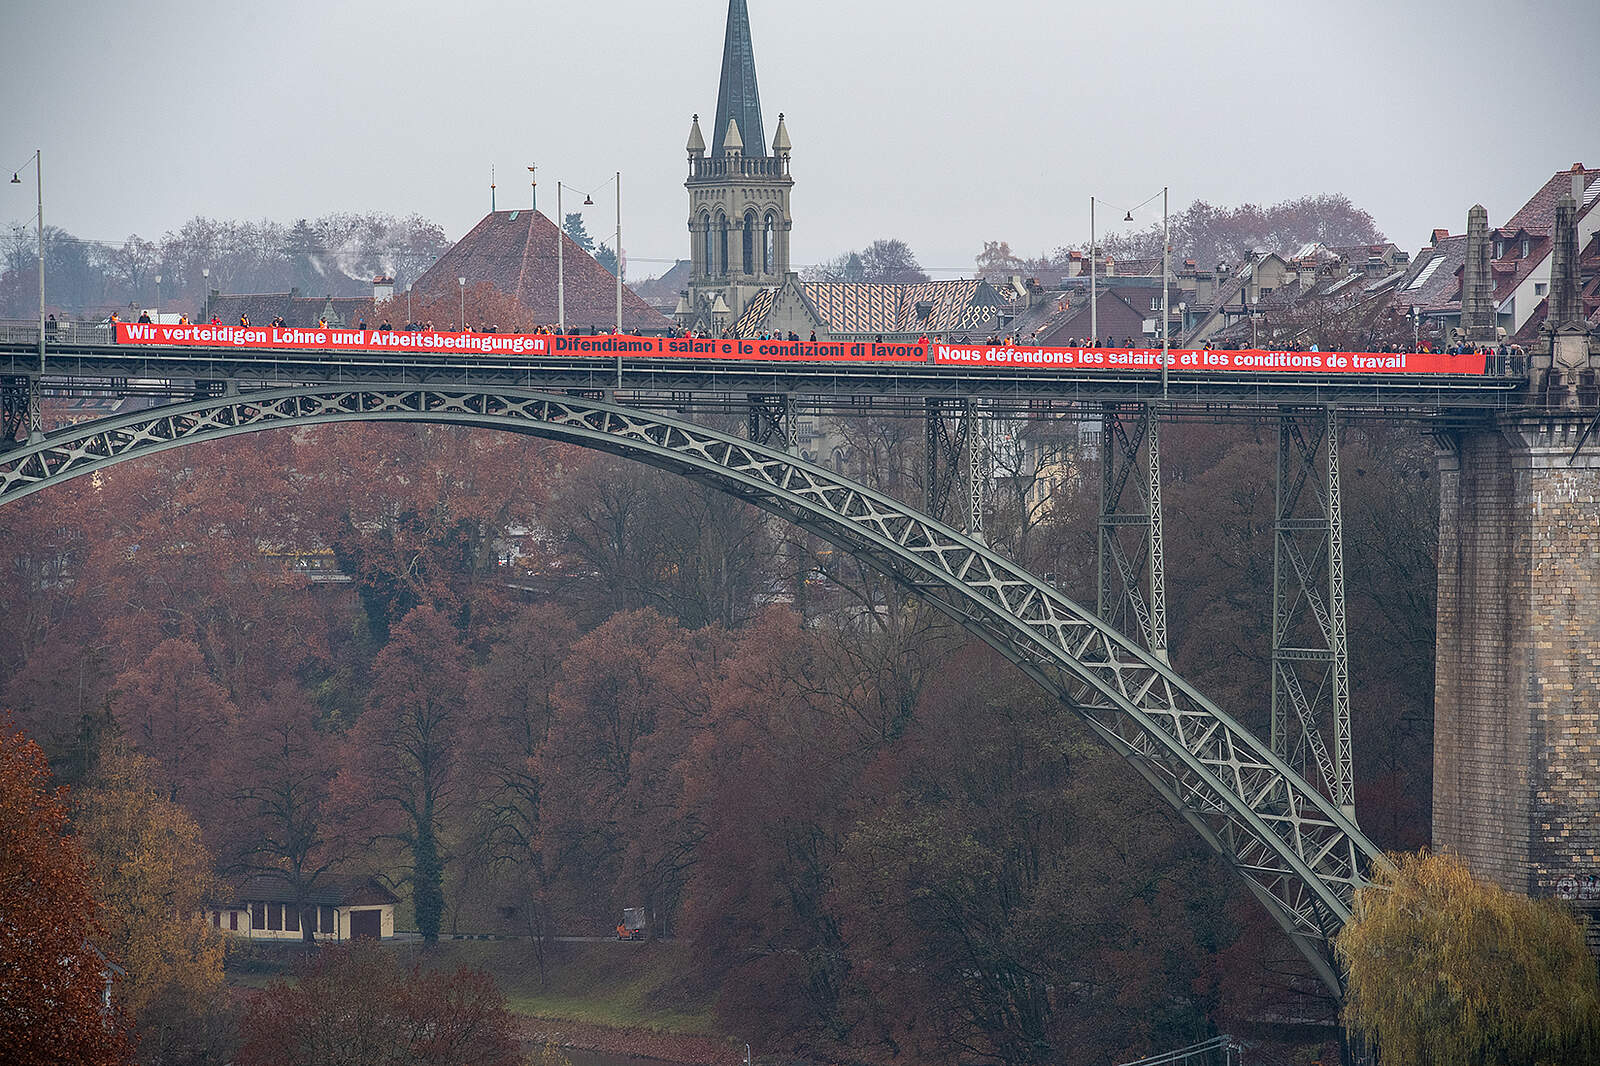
column 275, row 917
column 325, row 920
column 233, row 921
column 750, row 242
column 258, row 915
column 1540, row 288
column 1527, row 247
column 291, row 919
column 216, row 919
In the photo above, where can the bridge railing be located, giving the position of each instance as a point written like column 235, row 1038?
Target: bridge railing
column 13, row 331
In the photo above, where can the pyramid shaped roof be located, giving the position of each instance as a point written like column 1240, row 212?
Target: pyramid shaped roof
column 515, row 251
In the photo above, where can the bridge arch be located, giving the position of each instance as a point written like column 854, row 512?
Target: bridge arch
column 1298, row 855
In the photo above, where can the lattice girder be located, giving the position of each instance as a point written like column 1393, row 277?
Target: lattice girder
column 1297, row 853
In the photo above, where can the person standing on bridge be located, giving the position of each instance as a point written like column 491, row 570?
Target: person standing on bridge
column 244, row 321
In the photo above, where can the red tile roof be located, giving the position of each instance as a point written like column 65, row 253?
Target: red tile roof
column 515, row 251
column 1538, row 215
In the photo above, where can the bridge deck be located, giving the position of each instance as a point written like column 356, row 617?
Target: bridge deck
column 692, row 384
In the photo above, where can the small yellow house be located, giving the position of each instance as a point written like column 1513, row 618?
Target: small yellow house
column 264, row 908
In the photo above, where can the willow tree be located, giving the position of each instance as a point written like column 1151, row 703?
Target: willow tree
column 1444, row 968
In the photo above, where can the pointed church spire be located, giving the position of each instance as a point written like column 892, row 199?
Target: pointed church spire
column 780, row 140
column 697, row 140
column 738, row 98
column 732, row 143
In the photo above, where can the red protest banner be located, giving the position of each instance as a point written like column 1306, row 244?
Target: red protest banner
column 284, row 338
column 1187, row 361
column 1184, row 361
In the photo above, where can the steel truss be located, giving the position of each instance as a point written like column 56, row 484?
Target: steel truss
column 1297, row 853
column 15, row 407
column 956, row 453
column 774, row 419
column 1310, row 652
column 1131, row 557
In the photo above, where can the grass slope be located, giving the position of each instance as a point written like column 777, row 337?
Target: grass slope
column 644, row 986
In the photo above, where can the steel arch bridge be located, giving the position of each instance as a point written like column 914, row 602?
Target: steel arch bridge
column 1300, row 856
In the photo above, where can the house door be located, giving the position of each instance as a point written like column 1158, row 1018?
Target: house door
column 366, row 924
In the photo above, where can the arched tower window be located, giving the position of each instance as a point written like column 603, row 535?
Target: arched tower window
column 706, row 263
column 750, row 227
column 767, row 236
column 722, row 244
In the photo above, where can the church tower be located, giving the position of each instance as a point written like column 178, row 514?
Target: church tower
column 739, row 217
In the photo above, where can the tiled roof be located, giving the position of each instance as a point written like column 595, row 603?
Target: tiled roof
column 754, row 319
column 1538, row 215
column 868, row 309
column 334, row 892
column 515, row 251
column 1433, row 281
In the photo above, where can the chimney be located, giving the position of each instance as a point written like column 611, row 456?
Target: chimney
column 1440, row 235
column 1477, row 284
column 382, row 288
column 1579, row 182
column 1564, row 306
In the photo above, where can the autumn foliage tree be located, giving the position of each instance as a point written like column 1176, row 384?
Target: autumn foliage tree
column 355, row 1006
column 156, row 875
column 52, row 978
column 1446, row 968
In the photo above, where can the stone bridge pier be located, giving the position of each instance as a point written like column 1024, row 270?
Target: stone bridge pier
column 1516, row 765
column 1516, row 776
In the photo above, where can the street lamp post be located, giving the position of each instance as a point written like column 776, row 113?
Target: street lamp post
column 1166, row 309
column 16, row 179
column 561, row 265
column 158, row 297
column 205, row 275
column 1094, row 303
column 1416, row 328
column 619, row 254
column 461, row 324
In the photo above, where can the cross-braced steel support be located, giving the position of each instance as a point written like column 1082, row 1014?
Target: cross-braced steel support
column 773, row 419
column 16, row 408
column 1310, row 653
column 947, row 431
column 1131, row 557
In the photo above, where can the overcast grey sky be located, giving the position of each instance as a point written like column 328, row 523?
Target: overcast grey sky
column 943, row 123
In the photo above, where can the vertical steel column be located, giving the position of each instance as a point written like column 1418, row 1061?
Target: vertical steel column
column 1343, row 751
column 1310, row 648
column 977, row 472
column 1132, row 593
column 1158, row 551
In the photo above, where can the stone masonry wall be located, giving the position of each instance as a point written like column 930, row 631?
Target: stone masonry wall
column 1517, row 701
